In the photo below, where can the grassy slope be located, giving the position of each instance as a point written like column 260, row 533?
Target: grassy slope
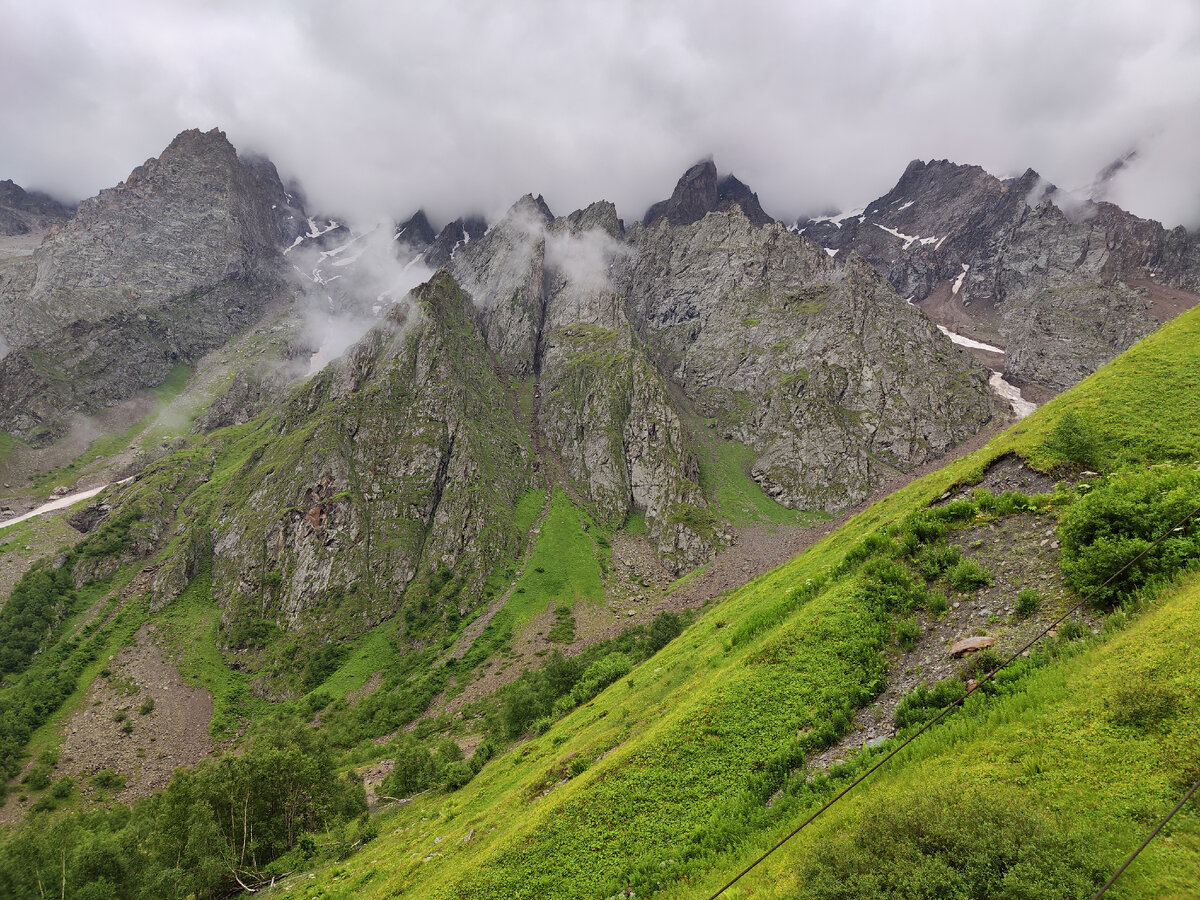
column 686, row 731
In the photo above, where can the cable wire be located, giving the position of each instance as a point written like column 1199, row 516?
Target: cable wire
column 959, row 702
column 1146, row 842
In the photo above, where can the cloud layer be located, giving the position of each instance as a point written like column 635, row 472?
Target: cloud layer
column 382, row 108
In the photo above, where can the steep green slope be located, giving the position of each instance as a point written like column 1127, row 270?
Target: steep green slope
column 668, row 776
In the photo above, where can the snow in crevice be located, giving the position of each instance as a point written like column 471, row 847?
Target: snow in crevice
column 906, row 205
column 830, row 250
column 958, row 282
column 315, row 230
column 296, row 243
column 1010, row 392
column 909, row 239
column 964, row 341
column 1002, row 388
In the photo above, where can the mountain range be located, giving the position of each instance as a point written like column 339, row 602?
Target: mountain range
column 378, row 478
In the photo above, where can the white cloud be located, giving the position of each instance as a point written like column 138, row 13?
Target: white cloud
column 464, row 106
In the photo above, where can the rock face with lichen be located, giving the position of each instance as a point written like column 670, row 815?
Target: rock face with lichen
column 380, row 487
column 1063, row 285
column 817, row 365
column 145, row 276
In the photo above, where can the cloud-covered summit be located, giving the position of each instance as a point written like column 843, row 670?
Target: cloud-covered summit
column 457, row 107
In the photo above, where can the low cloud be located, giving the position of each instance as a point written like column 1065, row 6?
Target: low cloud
column 350, row 284
column 381, row 109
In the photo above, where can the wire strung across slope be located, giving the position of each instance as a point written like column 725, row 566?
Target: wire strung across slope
column 959, row 702
column 1153, row 834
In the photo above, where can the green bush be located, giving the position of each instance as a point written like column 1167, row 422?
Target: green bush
column 1142, row 704
column 908, row 631
column 1122, row 517
column 968, row 575
column 937, row 558
column 954, row 843
column 1028, row 601
column 600, row 675
column 108, row 780
column 937, row 603
column 1074, row 442
column 982, row 662
column 147, row 706
column 922, row 703
column 891, row 586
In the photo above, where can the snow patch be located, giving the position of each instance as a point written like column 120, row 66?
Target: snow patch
column 909, row 239
column 830, row 250
column 296, row 243
column 958, row 282
column 841, row 217
column 1010, row 392
column 964, row 341
column 906, row 205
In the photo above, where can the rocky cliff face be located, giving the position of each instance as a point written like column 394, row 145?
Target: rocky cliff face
column 551, row 314
column 384, row 486
column 1063, row 285
column 151, row 273
column 819, row 366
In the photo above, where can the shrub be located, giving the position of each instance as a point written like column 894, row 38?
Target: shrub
column 937, row 603
column 938, row 558
column 147, row 706
column 922, row 703
column 1028, row 601
column 891, row 586
column 908, row 631
column 968, row 575
column 1109, row 527
column 1070, row 631
column 1073, row 442
column 982, row 662
column 62, row 788
column 947, row 841
column 108, row 780
column 1142, row 704
column 600, row 675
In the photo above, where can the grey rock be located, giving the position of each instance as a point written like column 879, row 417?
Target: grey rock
column 145, row 276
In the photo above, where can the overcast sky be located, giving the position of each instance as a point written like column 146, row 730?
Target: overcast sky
column 380, row 108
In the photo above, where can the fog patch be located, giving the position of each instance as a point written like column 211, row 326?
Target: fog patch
column 350, row 283
column 585, row 260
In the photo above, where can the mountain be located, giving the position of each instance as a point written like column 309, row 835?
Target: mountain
column 1062, row 285
column 22, row 212
column 150, row 274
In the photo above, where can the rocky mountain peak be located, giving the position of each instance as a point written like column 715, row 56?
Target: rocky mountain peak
column 416, row 231
column 699, row 191
column 147, row 275
column 694, row 196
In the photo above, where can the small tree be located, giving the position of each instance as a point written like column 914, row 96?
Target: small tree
column 1074, row 442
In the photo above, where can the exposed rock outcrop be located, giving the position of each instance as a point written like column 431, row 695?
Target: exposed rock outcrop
column 1062, row 284
column 819, row 366
column 147, row 275
column 23, row 212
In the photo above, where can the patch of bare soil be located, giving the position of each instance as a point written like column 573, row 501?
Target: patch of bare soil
column 174, row 732
column 1021, row 552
